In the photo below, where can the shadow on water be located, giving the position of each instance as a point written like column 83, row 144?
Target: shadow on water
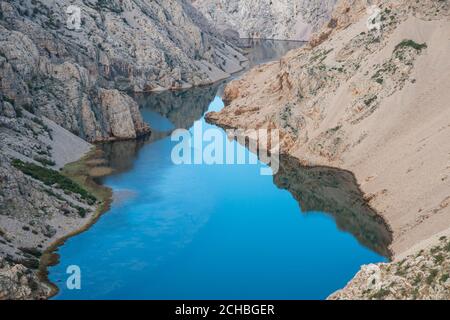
column 335, row 192
column 181, row 108
column 317, row 189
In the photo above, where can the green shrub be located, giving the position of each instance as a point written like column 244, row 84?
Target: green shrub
column 82, row 212
column 51, row 177
column 19, row 113
column 32, row 251
column 368, row 102
column 10, row 100
column 381, row 294
column 411, row 44
column 44, row 161
column 432, row 276
column 438, row 259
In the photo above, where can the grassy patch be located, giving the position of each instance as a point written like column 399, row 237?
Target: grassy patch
column 51, row 177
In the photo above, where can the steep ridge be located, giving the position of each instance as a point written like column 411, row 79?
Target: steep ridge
column 61, row 87
column 281, row 19
column 373, row 101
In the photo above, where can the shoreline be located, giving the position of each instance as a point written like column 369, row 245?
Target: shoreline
column 50, row 256
column 306, row 165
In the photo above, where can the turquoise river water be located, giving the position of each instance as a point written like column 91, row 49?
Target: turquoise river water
column 220, row 231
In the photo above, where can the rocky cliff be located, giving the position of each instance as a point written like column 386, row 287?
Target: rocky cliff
column 420, row 276
column 280, row 19
column 73, row 76
column 368, row 94
column 63, row 84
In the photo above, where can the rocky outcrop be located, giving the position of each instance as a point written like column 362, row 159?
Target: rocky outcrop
column 281, row 19
column 422, row 276
column 19, row 283
column 368, row 95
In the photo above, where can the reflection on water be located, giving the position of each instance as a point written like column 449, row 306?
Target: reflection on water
column 164, row 112
column 182, row 108
column 317, row 189
column 335, row 192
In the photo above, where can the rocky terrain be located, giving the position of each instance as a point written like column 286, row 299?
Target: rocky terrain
column 369, row 94
column 64, row 85
column 281, row 19
column 77, row 78
column 424, row 276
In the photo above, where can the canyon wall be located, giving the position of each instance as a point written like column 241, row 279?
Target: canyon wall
column 268, row 19
column 73, row 76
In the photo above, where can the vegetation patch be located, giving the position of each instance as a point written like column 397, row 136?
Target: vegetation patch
column 370, row 101
column 80, row 172
column 433, row 274
column 410, row 44
column 380, row 294
column 45, row 161
column 32, row 252
column 51, row 177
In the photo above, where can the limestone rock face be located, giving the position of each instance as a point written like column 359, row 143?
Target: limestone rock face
column 122, row 114
column 53, row 70
column 269, row 19
column 420, row 276
column 19, row 283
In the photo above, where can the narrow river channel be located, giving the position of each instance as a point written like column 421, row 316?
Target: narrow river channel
column 219, row 231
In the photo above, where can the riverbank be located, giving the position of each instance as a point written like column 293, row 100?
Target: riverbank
column 83, row 172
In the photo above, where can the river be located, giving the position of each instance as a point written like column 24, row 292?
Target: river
column 219, row 231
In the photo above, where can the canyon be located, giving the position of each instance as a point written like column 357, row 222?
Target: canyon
column 366, row 96
column 281, row 20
